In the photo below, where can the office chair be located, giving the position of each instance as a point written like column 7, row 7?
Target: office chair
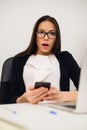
column 5, row 81
column 6, row 70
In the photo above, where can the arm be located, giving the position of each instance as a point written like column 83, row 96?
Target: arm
column 74, row 70
column 69, row 69
column 61, row 96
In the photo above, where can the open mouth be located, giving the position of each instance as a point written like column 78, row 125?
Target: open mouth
column 45, row 44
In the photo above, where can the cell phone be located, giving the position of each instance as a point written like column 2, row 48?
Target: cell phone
column 44, row 84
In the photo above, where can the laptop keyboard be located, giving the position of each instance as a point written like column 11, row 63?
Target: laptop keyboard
column 70, row 106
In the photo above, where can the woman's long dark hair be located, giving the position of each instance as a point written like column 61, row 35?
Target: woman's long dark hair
column 32, row 48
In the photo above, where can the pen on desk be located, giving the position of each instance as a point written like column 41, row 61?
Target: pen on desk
column 53, row 112
column 8, row 109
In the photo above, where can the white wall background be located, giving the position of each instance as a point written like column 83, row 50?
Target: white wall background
column 17, row 18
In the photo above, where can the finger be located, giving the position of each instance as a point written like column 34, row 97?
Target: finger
column 37, row 95
column 39, row 91
column 31, row 88
column 53, row 91
column 35, row 99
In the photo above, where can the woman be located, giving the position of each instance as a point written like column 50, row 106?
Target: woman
column 43, row 61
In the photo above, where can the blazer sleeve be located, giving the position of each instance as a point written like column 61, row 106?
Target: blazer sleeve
column 74, row 70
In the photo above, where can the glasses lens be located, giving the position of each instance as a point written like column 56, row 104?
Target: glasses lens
column 51, row 34
column 40, row 34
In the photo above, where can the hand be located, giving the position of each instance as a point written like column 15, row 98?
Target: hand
column 61, row 96
column 53, row 95
column 33, row 95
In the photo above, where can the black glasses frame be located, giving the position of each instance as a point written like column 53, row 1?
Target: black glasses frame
column 46, row 33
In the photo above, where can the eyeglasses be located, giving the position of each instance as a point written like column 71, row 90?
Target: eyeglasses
column 42, row 34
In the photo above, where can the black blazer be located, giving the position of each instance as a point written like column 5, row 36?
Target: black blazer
column 69, row 69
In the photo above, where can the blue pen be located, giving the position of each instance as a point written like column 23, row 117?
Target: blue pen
column 53, row 112
column 8, row 109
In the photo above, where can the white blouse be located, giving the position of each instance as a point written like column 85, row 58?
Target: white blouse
column 41, row 68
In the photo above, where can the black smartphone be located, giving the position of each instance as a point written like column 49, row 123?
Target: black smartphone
column 44, row 84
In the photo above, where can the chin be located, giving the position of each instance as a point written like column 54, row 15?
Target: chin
column 46, row 53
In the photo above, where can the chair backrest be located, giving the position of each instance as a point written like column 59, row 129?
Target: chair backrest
column 5, row 81
column 6, row 70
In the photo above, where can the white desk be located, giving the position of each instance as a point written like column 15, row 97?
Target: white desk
column 40, row 117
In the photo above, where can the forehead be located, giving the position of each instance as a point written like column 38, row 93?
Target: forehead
column 47, row 25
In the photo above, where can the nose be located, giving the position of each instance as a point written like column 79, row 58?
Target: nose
column 46, row 37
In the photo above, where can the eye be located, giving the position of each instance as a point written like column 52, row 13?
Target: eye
column 52, row 33
column 40, row 32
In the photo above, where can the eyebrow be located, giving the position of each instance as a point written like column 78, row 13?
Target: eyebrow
column 48, row 31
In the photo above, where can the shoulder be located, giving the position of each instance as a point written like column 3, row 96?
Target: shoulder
column 64, row 55
column 66, row 58
column 20, row 60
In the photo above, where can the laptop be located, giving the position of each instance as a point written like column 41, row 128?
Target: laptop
column 80, row 106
